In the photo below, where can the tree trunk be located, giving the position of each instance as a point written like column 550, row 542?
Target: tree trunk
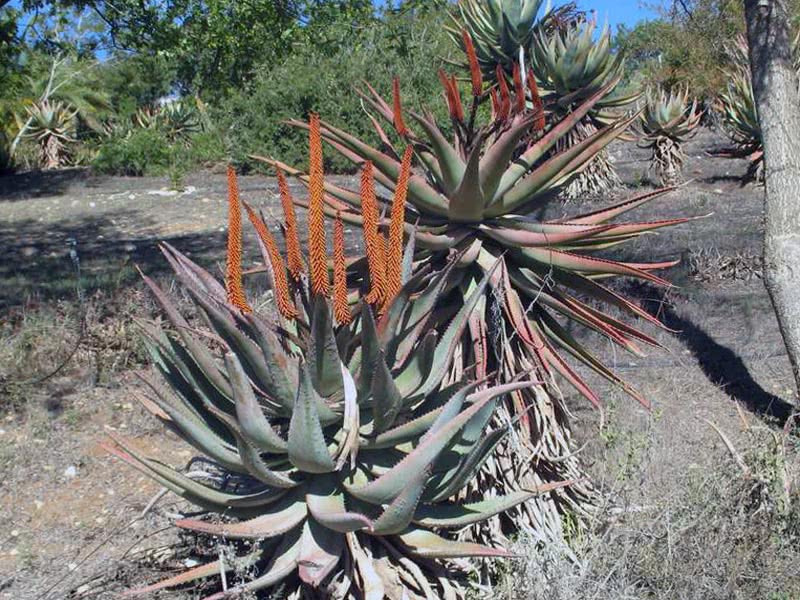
column 775, row 88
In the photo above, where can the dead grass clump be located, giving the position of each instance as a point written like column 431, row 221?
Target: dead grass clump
column 51, row 350
column 710, row 265
column 730, row 534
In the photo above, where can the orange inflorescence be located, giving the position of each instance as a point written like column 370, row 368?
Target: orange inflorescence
column 283, row 297
column 233, row 265
column 399, row 124
column 505, row 95
column 373, row 240
column 519, row 91
column 294, row 255
column 317, row 249
column 394, row 252
column 452, row 96
column 459, row 108
column 536, row 99
column 474, row 67
column 341, row 308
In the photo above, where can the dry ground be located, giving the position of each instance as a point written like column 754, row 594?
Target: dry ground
column 71, row 513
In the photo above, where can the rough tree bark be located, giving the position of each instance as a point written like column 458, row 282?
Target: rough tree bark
column 775, row 87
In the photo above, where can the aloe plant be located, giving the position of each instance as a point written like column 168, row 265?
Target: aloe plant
column 471, row 196
column 177, row 120
column 344, row 436
column 52, row 126
column 668, row 120
column 572, row 64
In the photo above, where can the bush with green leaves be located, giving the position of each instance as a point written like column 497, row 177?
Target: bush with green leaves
column 322, row 77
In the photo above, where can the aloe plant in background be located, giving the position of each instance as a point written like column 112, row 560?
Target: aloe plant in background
column 342, row 435
column 52, row 126
column 471, row 196
column 572, row 64
column 668, row 120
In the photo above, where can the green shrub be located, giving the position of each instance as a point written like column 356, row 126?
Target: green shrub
column 320, row 75
column 142, row 152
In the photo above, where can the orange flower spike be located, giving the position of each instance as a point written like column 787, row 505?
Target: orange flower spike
column 505, row 95
column 495, row 104
column 519, row 91
column 233, row 264
column 283, row 297
column 536, row 98
column 293, row 253
column 399, row 124
column 373, row 241
column 474, row 67
column 341, row 308
column 394, row 254
column 458, row 106
column 317, row 248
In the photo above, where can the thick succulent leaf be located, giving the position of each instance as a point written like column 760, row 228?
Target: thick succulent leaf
column 512, row 236
column 370, row 351
column 389, row 485
column 450, row 163
column 387, row 401
column 408, row 256
column 282, row 517
column 323, row 354
column 351, row 422
column 454, row 481
column 308, row 450
column 205, row 431
column 254, row 425
column 267, row 376
column 530, row 157
column 199, row 352
column 555, row 171
column 450, row 516
column 606, row 214
column 567, row 261
column 182, row 485
column 326, row 503
column 398, row 515
column 285, row 560
column 407, row 333
column 208, row 570
column 320, row 550
column 494, row 163
column 563, row 338
column 468, row 201
column 429, row 545
column 446, row 347
column 200, row 434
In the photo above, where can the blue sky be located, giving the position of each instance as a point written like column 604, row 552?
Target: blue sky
column 625, row 12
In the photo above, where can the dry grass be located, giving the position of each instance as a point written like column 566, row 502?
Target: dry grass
column 730, row 533
column 50, row 351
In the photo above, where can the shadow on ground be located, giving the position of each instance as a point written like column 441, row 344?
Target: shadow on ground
column 36, row 184
column 39, row 261
column 722, row 366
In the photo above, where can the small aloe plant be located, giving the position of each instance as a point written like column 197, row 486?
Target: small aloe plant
column 347, row 439
column 668, row 120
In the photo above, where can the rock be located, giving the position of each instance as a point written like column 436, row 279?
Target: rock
column 71, row 472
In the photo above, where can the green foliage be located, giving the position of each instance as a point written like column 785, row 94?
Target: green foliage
column 142, row 152
column 321, row 78
column 687, row 46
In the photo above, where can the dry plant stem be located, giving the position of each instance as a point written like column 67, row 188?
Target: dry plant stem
column 598, row 175
column 667, row 161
